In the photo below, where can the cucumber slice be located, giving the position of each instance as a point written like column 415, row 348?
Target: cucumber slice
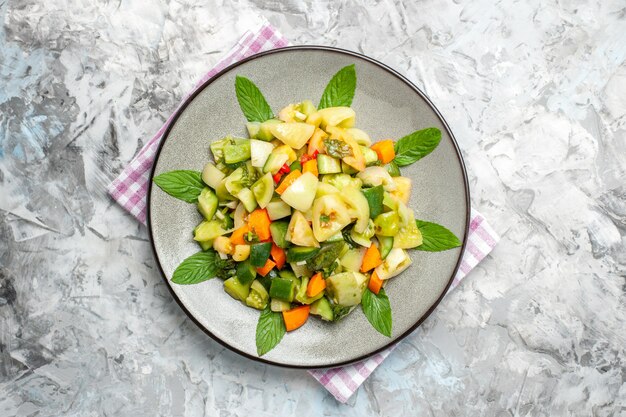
column 283, row 289
column 328, row 165
column 307, row 107
column 374, row 198
column 277, row 209
column 259, row 152
column 247, row 198
column 301, row 253
column 253, row 129
column 287, row 274
column 263, row 190
column 278, row 230
column 222, row 192
column 277, row 305
column 212, row 176
column 260, row 253
column 386, row 244
column 246, row 272
column 265, row 132
column 236, row 289
column 323, row 309
column 275, row 161
column 371, row 157
column 337, row 237
column 207, row 203
column 392, row 169
column 237, row 152
column 208, row 230
column 206, row 244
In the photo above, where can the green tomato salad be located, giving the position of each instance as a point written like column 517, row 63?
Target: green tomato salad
column 307, row 216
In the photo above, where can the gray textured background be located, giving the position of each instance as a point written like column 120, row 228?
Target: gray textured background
column 534, row 91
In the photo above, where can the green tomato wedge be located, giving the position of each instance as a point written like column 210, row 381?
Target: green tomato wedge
column 397, row 261
column 278, row 209
column 263, row 190
column 387, row 224
column 301, row 193
column 258, row 296
column 329, row 216
column 212, row 176
column 236, row 289
column 299, row 231
column 358, row 207
column 293, row 134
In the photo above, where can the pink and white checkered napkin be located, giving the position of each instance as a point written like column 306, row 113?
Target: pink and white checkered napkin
column 130, row 187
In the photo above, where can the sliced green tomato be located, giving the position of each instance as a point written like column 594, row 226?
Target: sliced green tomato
column 408, row 237
column 208, row 230
column 374, row 197
column 237, row 152
column 300, row 253
column 301, row 192
column 217, row 148
column 236, row 289
column 233, row 181
column 212, row 176
column 403, row 189
column 347, row 169
column 283, row 289
column 299, row 231
column 328, row 165
column 365, row 238
column 260, row 253
column 277, row 209
column 246, row 196
column 337, row 237
column 258, row 296
column 387, row 224
column 333, row 116
column 253, row 129
column 358, row 208
column 397, row 261
column 360, row 136
column 373, row 176
column 307, row 107
column 259, row 152
column 329, row 216
column 385, row 245
column 222, row 192
column 352, row 259
column 293, row 134
column 263, row 190
column 277, row 305
column 346, row 288
column 371, row 157
column 390, row 201
column 340, row 181
column 323, row 309
column 301, row 296
column 325, row 189
column 239, row 216
column 265, row 130
column 279, row 230
column 207, row 203
column 246, row 272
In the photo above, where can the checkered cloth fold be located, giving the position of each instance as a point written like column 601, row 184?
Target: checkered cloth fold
column 129, row 189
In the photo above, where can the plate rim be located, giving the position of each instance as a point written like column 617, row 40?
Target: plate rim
column 198, row 89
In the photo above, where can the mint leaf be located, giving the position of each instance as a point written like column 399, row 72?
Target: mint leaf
column 184, row 185
column 269, row 330
column 436, row 238
column 197, row 268
column 340, row 89
column 251, row 101
column 378, row 311
column 417, row 145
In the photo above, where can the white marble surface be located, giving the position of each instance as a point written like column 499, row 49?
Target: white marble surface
column 536, row 94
